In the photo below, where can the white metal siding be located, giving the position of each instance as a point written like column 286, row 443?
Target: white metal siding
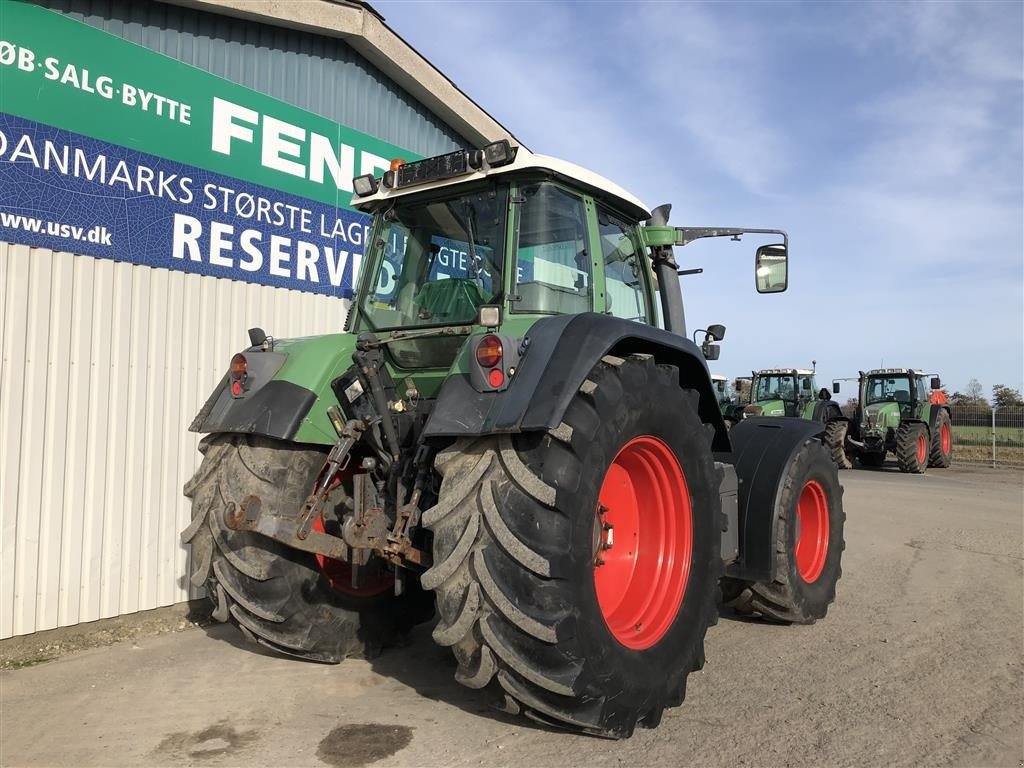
column 103, row 366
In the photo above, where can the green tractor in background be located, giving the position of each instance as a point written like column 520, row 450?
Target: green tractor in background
column 896, row 414
column 505, row 433
column 794, row 392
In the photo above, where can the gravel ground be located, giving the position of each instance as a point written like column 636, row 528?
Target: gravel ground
column 918, row 663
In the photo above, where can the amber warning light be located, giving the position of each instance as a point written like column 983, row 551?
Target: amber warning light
column 238, row 371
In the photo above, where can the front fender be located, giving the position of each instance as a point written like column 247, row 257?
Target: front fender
column 763, row 449
column 558, row 353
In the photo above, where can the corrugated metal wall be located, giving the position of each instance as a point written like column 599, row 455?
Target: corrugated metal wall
column 103, row 366
column 319, row 74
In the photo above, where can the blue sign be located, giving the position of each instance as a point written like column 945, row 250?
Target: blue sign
column 68, row 192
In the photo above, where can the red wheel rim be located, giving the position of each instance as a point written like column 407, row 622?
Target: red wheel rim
column 922, row 449
column 644, row 542
column 811, row 531
column 374, row 581
column 947, row 439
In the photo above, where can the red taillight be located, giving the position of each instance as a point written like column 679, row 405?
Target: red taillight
column 496, row 378
column 488, row 352
column 237, row 372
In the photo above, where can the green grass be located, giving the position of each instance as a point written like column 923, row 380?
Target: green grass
column 1009, row 436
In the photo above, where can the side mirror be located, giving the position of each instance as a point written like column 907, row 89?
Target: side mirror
column 711, row 351
column 806, row 383
column 736, row 384
column 716, row 331
column 936, row 384
column 720, row 385
column 771, row 268
column 835, row 387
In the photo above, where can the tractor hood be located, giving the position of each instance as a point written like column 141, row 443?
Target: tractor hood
column 882, row 416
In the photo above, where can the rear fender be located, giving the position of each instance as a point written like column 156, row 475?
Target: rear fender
column 763, row 449
column 556, row 355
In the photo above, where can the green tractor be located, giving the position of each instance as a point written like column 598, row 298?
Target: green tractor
column 794, row 392
column 896, row 414
column 505, row 433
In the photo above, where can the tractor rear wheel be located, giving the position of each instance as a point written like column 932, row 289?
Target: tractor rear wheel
column 279, row 597
column 578, row 568
column 941, row 455
column 912, row 447
column 809, row 545
column 835, row 440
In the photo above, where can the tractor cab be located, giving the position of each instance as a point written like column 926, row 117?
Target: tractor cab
column 782, row 392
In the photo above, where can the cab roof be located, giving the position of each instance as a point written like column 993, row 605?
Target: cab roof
column 895, row 372
column 771, row 371
column 525, row 160
column 719, row 377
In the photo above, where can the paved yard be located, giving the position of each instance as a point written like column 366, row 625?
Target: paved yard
column 919, row 662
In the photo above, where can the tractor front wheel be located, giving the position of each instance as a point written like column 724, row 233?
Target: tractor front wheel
column 912, row 447
column 941, row 455
column 578, row 568
column 835, row 439
column 809, row 545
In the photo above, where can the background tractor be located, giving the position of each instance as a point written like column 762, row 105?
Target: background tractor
column 794, row 392
column 896, row 414
column 724, row 393
column 504, row 431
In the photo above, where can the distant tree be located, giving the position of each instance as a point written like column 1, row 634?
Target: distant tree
column 973, row 398
column 1005, row 397
column 850, row 407
column 974, row 390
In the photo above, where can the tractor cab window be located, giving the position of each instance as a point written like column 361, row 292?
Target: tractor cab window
column 921, row 390
column 775, row 388
column 625, row 296
column 437, row 260
column 553, row 273
column 890, row 389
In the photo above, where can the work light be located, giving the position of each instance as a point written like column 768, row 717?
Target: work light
column 364, row 185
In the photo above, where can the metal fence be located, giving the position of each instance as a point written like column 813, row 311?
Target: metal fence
column 991, row 436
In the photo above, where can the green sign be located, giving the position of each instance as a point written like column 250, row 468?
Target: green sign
column 62, row 73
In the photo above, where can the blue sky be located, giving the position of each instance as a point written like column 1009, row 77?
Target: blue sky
column 885, row 138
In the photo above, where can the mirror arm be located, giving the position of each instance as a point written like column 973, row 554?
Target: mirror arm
column 686, row 235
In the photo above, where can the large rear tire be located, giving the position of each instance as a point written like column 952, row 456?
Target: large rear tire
column 941, row 454
column 835, row 440
column 278, row 596
column 809, row 545
column 583, row 626
column 912, row 447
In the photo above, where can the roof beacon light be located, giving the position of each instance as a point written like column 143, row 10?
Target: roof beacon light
column 397, row 163
column 364, row 185
column 499, row 153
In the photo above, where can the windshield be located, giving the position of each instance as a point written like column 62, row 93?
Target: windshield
column 775, row 388
column 438, row 260
column 889, row 389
